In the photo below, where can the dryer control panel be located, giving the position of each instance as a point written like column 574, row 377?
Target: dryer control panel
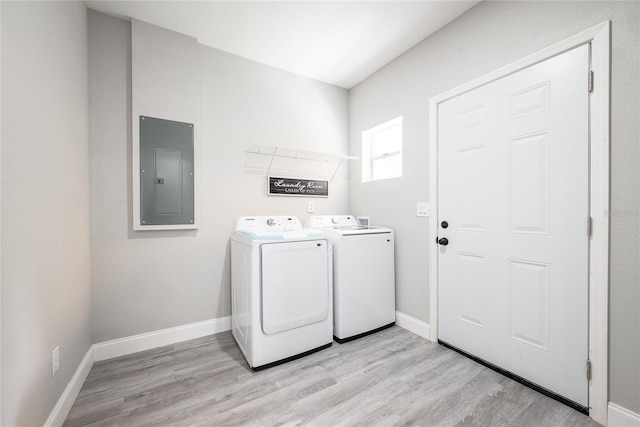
column 268, row 223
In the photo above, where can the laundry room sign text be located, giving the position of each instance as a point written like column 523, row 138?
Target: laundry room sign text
column 297, row 187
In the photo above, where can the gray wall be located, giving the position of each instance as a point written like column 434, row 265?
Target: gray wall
column 46, row 289
column 145, row 281
column 164, row 66
column 491, row 35
column 149, row 280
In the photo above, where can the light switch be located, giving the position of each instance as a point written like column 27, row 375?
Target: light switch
column 423, row 209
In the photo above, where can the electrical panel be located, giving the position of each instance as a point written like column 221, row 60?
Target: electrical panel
column 166, row 172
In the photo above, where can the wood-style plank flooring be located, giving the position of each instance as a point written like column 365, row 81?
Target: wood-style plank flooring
column 390, row 378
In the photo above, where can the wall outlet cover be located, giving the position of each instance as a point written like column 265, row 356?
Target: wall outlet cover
column 423, row 209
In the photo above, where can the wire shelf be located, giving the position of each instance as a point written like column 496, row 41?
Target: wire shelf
column 271, row 160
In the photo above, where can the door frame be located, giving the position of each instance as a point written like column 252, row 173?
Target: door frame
column 599, row 130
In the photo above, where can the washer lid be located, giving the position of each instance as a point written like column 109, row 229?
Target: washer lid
column 276, row 228
column 361, row 229
column 343, row 224
column 302, row 234
column 332, row 221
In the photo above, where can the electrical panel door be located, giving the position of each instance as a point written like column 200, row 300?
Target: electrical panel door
column 166, row 172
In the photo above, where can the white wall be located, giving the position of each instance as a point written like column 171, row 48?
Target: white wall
column 488, row 36
column 46, row 291
column 149, row 280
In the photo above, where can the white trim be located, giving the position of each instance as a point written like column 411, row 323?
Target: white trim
column 433, row 219
column 124, row 346
column 163, row 227
column 599, row 246
column 0, row 217
column 412, row 324
column 622, row 417
column 599, row 37
column 70, row 393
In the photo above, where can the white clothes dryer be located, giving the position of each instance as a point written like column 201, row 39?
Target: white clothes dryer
column 281, row 289
column 364, row 298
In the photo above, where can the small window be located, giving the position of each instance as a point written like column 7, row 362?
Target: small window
column 382, row 151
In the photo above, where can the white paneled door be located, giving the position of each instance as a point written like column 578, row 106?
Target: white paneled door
column 513, row 206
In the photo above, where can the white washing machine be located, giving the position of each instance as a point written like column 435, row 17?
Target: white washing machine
column 281, row 289
column 364, row 295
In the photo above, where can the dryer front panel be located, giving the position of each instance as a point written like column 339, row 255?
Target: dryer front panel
column 295, row 284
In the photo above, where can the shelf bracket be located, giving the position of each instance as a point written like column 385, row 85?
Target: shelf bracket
column 337, row 168
column 273, row 156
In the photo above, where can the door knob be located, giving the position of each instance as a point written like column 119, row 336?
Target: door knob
column 444, row 241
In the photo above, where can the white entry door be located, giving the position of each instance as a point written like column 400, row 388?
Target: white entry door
column 513, row 188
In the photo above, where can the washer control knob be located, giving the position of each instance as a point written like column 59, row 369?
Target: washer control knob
column 271, row 222
column 334, row 220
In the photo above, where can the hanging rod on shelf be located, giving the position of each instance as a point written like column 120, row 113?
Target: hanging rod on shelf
column 262, row 158
column 272, row 150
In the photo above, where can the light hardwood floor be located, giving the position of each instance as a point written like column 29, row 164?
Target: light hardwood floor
column 391, row 378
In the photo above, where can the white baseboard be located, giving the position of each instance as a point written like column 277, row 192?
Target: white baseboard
column 412, row 324
column 124, row 346
column 622, row 417
column 70, row 393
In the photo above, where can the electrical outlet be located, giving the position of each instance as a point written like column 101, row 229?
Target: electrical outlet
column 311, row 207
column 423, row 209
column 55, row 360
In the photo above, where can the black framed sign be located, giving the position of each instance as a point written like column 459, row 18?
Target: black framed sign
column 298, row 187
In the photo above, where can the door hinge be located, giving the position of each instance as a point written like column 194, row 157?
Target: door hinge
column 589, row 226
column 590, row 81
column 588, row 370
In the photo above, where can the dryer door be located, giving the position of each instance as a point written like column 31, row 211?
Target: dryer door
column 295, row 284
